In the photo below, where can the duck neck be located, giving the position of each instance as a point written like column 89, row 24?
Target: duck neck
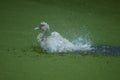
column 42, row 35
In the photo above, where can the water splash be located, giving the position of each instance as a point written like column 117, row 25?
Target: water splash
column 82, row 44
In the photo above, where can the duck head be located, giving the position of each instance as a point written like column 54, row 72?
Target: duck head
column 42, row 26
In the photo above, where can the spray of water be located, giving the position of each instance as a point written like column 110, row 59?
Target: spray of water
column 82, row 44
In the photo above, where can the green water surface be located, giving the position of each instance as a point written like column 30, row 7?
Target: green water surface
column 97, row 19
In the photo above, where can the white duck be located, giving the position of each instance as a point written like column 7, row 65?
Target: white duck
column 55, row 42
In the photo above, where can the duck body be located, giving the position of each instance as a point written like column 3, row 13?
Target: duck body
column 55, row 43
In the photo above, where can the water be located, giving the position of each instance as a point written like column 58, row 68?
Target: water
column 105, row 50
column 85, row 47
